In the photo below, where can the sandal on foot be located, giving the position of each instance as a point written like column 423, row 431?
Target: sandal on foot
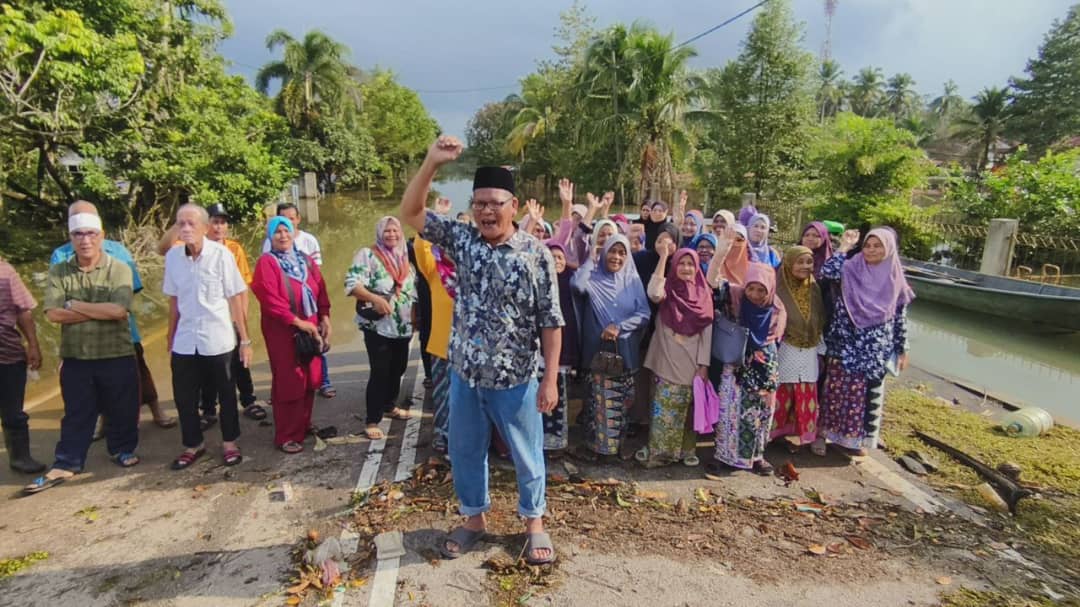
column 327, row 391
column 42, row 483
column 125, row 459
column 465, row 540
column 255, row 412
column 185, row 459
column 691, row 462
column 232, row 457
column 715, row 470
column 291, row 447
column 539, row 541
column 762, row 468
column 427, row 383
column 206, row 422
column 399, row 413
column 642, row 455
column 818, row 447
column 374, row 433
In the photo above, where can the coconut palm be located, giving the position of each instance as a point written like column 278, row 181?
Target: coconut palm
column 949, row 102
column 314, row 73
column 867, row 91
column 900, row 96
column 830, row 93
column 985, row 124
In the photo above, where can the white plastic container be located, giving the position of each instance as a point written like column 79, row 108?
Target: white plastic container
column 1027, row 422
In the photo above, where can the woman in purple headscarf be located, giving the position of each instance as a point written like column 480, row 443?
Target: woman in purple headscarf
column 815, row 236
column 758, row 237
column 865, row 336
column 614, row 314
column 678, row 352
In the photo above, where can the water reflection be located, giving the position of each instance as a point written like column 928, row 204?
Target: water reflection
column 999, row 355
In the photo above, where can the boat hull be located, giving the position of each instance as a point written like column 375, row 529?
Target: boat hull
column 998, row 296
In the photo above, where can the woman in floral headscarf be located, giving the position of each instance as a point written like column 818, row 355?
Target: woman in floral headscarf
column 381, row 277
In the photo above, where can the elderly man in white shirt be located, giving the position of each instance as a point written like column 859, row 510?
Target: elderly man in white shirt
column 204, row 288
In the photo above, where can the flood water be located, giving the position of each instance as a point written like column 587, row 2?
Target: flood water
column 1015, row 363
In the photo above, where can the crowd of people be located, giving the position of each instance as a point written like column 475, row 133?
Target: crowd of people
column 671, row 325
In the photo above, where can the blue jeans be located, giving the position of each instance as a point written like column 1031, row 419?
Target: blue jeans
column 513, row 411
column 325, row 372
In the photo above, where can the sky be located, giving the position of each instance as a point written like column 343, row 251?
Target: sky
column 441, row 48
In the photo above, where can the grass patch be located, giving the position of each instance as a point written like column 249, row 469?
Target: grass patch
column 978, row 598
column 1051, row 461
column 9, row 567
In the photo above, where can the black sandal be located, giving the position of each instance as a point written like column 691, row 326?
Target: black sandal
column 255, row 412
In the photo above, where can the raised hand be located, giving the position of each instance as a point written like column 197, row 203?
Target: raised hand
column 446, row 149
column 566, row 191
column 848, row 240
column 442, row 206
column 594, row 202
column 534, row 209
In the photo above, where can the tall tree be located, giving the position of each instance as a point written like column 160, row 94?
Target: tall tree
column 761, row 107
column 830, row 92
column 400, row 126
column 1046, row 104
column 900, row 96
column 867, row 91
column 949, row 102
column 314, row 73
column 985, row 125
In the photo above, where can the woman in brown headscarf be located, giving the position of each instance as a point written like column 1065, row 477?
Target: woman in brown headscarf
column 798, row 356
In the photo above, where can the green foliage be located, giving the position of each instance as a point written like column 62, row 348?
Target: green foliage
column 400, row 127
column 1043, row 194
column 759, row 109
column 1046, row 104
column 867, row 169
column 984, row 124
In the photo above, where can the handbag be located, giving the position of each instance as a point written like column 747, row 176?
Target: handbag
column 307, row 347
column 605, row 363
column 728, row 340
column 366, row 310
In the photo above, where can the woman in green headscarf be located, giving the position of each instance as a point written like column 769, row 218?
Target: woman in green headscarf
column 800, row 350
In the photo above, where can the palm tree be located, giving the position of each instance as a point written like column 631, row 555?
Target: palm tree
column 868, row 89
column 314, row 74
column 919, row 126
column 949, row 101
column 604, row 79
column 830, row 94
column 900, row 97
column 985, row 124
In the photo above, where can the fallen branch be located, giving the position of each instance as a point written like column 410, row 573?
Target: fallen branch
column 1006, row 488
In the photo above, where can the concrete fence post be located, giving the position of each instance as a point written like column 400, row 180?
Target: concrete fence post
column 309, row 197
column 1000, row 243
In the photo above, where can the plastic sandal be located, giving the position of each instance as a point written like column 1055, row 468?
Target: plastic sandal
column 818, row 447
column 292, row 447
column 327, row 391
column 691, row 461
column 42, row 483
column 374, row 433
column 537, row 541
column 232, row 457
column 185, row 459
column 465, row 540
column 125, row 459
column 763, row 468
column 255, row 412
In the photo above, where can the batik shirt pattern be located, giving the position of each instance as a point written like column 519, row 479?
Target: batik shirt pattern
column 505, row 295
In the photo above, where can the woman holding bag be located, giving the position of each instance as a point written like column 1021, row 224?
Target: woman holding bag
column 384, row 285
column 292, row 299
column 678, row 352
column 614, row 315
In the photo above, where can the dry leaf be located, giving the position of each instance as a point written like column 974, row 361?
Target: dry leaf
column 859, row 542
column 817, row 549
column 652, row 495
column 836, row 547
column 944, row 580
column 297, row 589
column 292, row 600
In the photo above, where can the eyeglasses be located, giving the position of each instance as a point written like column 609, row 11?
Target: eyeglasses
column 83, row 235
column 494, row 205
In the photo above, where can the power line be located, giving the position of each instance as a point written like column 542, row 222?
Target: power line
column 716, row 27
column 473, row 90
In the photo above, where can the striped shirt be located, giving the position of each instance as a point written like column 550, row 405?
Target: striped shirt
column 15, row 299
column 109, row 281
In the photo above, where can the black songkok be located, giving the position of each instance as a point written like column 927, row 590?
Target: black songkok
column 493, row 177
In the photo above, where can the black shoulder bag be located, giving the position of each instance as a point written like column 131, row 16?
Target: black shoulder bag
column 307, row 347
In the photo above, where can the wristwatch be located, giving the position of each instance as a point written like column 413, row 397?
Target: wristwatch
column 245, row 342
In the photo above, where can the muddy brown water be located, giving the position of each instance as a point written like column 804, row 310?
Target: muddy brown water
column 1016, row 363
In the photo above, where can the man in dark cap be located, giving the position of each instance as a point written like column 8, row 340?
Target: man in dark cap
column 506, row 305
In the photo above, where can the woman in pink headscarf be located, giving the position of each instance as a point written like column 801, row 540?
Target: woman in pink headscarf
column 866, row 334
column 678, row 352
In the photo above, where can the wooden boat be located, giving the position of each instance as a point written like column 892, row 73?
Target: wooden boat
column 1051, row 306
